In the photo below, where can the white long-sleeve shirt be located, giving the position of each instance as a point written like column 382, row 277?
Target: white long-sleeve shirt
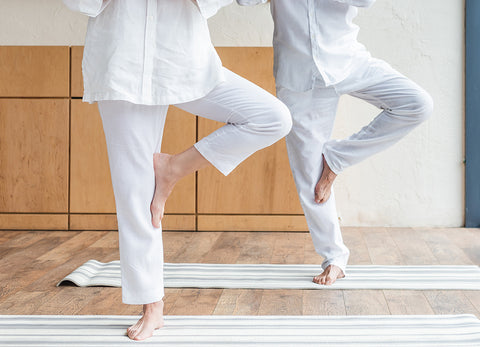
column 151, row 52
column 314, row 38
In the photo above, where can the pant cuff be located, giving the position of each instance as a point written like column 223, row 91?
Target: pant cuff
column 142, row 298
column 336, row 170
column 213, row 158
column 341, row 263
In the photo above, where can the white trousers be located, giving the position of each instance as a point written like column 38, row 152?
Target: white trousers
column 404, row 105
column 255, row 119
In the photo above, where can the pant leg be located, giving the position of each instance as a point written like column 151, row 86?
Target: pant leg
column 404, row 106
column 255, row 120
column 133, row 133
column 313, row 113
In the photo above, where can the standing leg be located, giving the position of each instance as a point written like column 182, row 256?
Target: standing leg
column 313, row 114
column 404, row 106
column 133, row 134
column 255, row 119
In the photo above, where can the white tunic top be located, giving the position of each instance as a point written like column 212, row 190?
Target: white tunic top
column 151, row 52
column 315, row 38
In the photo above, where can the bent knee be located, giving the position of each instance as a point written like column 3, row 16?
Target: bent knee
column 281, row 120
column 422, row 106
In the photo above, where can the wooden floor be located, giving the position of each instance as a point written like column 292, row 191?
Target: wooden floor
column 31, row 263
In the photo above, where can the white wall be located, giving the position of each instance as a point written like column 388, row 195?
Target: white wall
column 418, row 182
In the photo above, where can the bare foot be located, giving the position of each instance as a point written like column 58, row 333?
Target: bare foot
column 151, row 320
column 329, row 275
column 165, row 179
column 323, row 189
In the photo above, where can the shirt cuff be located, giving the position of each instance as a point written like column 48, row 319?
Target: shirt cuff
column 210, row 7
column 91, row 8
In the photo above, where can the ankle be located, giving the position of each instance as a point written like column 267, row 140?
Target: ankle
column 154, row 306
column 176, row 171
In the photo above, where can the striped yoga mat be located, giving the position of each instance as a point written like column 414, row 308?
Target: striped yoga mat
column 268, row 276
column 87, row 331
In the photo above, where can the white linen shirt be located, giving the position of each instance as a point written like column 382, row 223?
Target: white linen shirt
column 150, row 52
column 314, row 38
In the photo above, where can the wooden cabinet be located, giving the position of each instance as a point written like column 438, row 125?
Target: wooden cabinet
column 33, row 162
column 29, row 71
column 54, row 171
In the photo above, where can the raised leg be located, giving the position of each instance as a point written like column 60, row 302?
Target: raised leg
column 254, row 120
column 404, row 104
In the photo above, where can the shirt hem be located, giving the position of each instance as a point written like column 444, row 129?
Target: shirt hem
column 92, row 97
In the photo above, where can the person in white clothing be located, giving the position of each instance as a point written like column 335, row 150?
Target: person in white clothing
column 141, row 56
column 318, row 59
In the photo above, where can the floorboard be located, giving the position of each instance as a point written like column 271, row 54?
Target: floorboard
column 32, row 263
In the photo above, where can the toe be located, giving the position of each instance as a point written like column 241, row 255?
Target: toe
column 131, row 333
column 322, row 280
column 144, row 334
column 156, row 215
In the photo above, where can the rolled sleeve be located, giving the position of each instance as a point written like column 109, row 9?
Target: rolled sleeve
column 357, row 3
column 208, row 8
column 91, row 8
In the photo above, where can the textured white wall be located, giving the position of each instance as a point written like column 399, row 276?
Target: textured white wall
column 418, row 182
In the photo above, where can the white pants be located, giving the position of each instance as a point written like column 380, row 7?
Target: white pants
column 255, row 119
column 404, row 106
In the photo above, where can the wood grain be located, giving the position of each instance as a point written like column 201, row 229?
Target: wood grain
column 281, row 302
column 365, row 302
column 323, row 302
column 355, row 241
column 226, row 249
column 204, row 302
column 381, row 247
column 288, row 249
column 446, row 252
column 407, row 302
column 93, row 222
column 76, row 68
column 34, row 155
column 196, row 248
column 34, row 71
column 450, row 302
column 31, row 221
column 33, row 262
column 250, row 223
column 90, row 183
column 257, row 249
column 412, row 247
column 239, row 302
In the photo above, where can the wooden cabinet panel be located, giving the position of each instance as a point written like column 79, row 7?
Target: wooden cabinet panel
column 251, row 223
column 263, row 184
column 253, row 63
column 90, row 183
column 90, row 186
column 93, row 222
column 180, row 134
column 34, row 155
column 77, row 79
column 22, row 221
column 28, row 71
column 171, row 222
